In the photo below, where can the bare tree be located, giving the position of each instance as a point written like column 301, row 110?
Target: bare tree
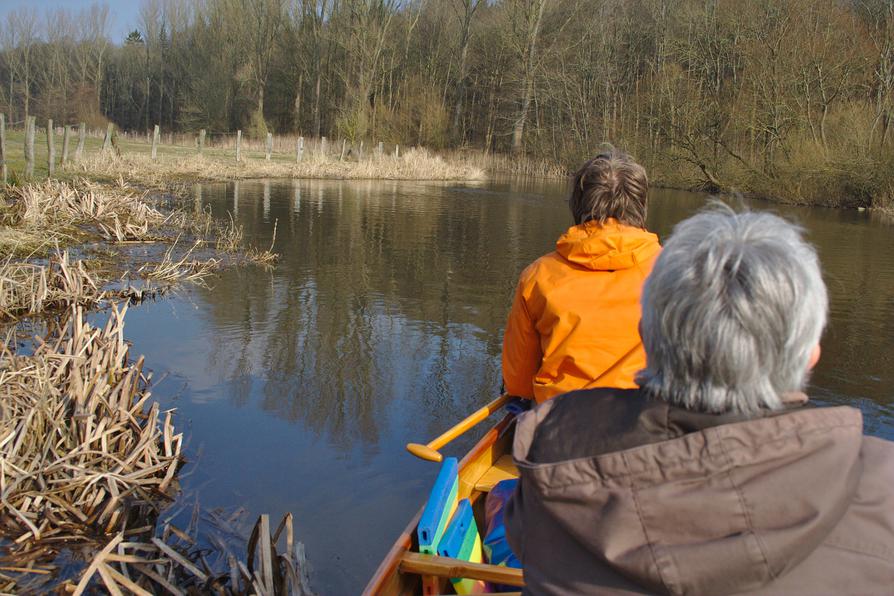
column 466, row 11
column 23, row 35
column 526, row 17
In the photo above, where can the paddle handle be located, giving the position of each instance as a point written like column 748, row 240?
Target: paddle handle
column 430, row 451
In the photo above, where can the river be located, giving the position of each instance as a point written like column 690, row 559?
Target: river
column 382, row 324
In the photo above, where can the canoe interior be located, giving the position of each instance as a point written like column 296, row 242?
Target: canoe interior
column 488, row 462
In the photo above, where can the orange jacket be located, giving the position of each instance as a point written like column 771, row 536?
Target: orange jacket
column 574, row 322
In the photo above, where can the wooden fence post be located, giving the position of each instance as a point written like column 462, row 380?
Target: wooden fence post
column 51, row 149
column 380, row 149
column 66, row 143
column 155, row 135
column 238, row 145
column 107, row 140
column 3, row 168
column 82, row 137
column 299, row 153
column 29, row 146
column 201, row 140
column 343, row 143
column 360, row 151
column 269, row 145
column 396, row 151
column 323, row 146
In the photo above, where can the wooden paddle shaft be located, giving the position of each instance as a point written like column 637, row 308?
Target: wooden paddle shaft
column 430, row 451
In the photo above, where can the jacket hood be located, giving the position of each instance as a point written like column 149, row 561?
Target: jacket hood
column 607, row 247
column 722, row 510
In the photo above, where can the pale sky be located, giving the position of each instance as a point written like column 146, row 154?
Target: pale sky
column 123, row 14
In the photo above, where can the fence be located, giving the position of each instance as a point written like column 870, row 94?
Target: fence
column 295, row 146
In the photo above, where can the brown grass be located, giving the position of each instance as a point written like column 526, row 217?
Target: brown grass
column 28, row 289
column 87, row 461
column 81, row 443
column 416, row 164
column 170, row 270
column 175, row 563
column 514, row 165
column 41, row 216
column 119, row 214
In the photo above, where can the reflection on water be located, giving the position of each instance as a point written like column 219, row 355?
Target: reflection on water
column 382, row 324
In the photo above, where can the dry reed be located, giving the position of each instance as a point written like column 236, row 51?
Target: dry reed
column 171, row 270
column 81, row 444
column 264, row 258
column 39, row 214
column 415, row 164
column 119, row 214
column 176, row 563
column 28, row 289
column 87, row 460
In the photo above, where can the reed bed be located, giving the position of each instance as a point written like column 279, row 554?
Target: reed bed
column 29, row 289
column 515, row 165
column 176, row 562
column 415, row 164
column 120, row 214
column 81, row 444
column 115, row 213
column 52, row 213
column 88, row 463
column 26, row 243
column 171, row 270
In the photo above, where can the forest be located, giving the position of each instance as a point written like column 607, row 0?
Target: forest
column 791, row 99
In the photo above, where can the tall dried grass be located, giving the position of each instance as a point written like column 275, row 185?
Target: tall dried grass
column 28, row 289
column 40, row 214
column 171, row 270
column 80, row 442
column 175, row 563
column 416, row 164
column 120, row 214
column 87, row 463
column 514, row 165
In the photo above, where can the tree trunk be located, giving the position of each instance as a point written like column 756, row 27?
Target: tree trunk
column 518, row 130
column 298, row 103
column 470, row 7
column 317, row 103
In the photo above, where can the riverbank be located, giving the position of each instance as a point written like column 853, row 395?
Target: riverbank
column 807, row 175
column 130, row 158
column 165, row 170
column 91, row 461
column 842, row 177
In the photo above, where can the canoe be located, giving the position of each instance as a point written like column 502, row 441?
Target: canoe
column 404, row 567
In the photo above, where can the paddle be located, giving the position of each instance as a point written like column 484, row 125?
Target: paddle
column 430, row 451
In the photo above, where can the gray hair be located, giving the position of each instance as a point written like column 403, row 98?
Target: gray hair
column 731, row 313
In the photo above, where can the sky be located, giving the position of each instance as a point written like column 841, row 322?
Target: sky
column 123, row 14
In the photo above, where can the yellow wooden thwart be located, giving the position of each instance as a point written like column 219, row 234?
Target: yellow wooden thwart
column 503, row 469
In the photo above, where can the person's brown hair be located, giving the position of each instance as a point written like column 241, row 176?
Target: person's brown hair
column 610, row 185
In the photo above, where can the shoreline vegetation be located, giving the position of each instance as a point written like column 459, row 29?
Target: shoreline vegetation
column 91, row 463
column 810, row 177
column 788, row 100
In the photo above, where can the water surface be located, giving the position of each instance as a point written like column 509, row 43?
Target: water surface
column 382, row 324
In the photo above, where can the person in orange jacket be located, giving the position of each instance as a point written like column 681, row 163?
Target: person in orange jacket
column 575, row 315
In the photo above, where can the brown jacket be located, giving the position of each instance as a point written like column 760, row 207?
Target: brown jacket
column 623, row 495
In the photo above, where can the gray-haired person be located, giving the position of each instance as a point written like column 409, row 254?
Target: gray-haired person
column 716, row 476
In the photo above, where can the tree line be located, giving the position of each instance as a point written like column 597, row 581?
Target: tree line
column 717, row 92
